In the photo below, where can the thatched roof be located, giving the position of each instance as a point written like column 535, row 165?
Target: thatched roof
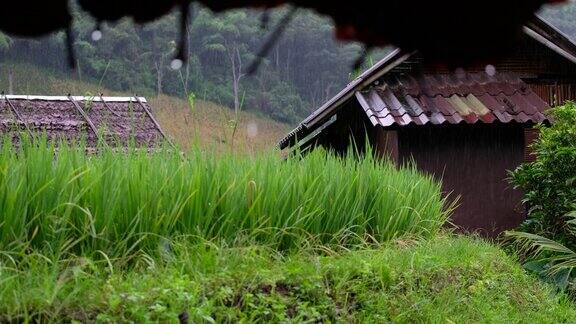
column 114, row 120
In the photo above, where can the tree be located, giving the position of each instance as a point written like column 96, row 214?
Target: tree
column 5, row 44
column 231, row 36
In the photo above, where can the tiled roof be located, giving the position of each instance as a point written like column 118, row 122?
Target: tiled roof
column 451, row 99
column 116, row 120
column 536, row 29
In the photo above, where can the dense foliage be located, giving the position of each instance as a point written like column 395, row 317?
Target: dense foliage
column 549, row 183
column 444, row 280
column 549, row 235
column 305, row 68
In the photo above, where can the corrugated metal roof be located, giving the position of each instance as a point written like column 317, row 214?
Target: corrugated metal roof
column 116, row 120
column 451, row 99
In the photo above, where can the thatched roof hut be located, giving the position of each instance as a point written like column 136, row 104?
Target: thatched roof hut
column 116, row 121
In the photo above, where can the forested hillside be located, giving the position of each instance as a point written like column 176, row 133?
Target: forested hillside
column 306, row 67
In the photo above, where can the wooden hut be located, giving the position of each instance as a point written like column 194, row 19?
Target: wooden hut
column 467, row 127
column 117, row 121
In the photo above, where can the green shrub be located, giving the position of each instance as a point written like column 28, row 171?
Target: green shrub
column 548, row 238
column 549, row 183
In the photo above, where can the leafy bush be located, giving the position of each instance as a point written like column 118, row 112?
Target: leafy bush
column 549, row 183
column 548, row 237
column 554, row 262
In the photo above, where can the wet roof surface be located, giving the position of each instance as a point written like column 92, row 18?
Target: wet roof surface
column 451, row 99
column 115, row 120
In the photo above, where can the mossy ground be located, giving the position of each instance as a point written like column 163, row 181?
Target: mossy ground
column 447, row 279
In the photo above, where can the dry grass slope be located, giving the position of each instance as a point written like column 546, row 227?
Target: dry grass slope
column 212, row 125
column 207, row 124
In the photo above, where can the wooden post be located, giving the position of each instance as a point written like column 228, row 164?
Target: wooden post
column 18, row 116
column 85, row 116
column 149, row 113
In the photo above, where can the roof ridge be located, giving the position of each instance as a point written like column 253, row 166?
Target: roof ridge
column 483, row 94
column 96, row 98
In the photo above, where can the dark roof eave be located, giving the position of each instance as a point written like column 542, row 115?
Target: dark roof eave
column 313, row 121
column 551, row 37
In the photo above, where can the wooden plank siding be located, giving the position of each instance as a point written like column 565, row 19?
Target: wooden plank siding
column 472, row 161
column 555, row 94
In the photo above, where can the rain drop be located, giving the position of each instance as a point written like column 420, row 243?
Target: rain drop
column 252, row 129
column 176, row 64
column 96, row 35
column 490, row 70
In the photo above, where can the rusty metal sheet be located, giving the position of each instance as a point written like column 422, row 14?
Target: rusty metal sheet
column 476, row 105
column 539, row 118
column 459, row 105
column 522, row 117
column 441, row 104
column 420, row 120
column 375, row 121
column 376, row 102
column 503, row 116
column 413, row 107
column 526, row 105
column 394, row 104
column 410, row 85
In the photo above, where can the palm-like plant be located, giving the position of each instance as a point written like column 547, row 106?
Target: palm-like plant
column 551, row 260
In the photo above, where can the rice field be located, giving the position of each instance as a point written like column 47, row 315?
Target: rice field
column 119, row 204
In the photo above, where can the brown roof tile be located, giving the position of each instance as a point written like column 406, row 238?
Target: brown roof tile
column 438, row 99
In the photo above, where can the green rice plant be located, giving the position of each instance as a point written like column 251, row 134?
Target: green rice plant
column 119, row 204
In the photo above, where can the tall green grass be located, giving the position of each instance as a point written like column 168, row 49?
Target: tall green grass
column 115, row 204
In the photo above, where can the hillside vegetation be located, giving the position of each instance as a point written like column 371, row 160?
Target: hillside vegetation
column 305, row 68
column 446, row 280
column 206, row 123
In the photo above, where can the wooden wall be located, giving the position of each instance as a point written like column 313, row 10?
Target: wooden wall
column 473, row 163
